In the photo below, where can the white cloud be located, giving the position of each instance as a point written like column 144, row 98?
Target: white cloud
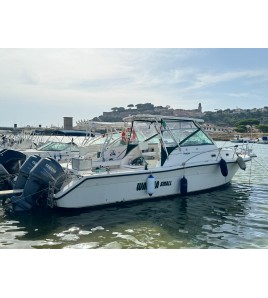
column 202, row 80
column 238, row 94
column 89, row 81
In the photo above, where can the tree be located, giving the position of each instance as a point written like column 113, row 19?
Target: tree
column 121, row 109
column 114, row 109
column 248, row 122
column 241, row 128
column 130, row 106
column 263, row 128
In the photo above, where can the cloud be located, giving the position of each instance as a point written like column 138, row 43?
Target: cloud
column 89, row 81
column 202, row 80
column 238, row 94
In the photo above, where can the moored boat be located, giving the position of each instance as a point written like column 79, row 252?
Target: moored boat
column 239, row 139
column 107, row 148
column 263, row 140
column 164, row 156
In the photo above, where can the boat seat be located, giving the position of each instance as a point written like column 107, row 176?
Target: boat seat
column 146, row 151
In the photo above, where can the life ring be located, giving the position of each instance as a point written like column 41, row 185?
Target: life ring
column 128, row 135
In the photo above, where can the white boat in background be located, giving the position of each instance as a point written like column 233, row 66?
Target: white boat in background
column 60, row 151
column 239, row 139
column 263, row 140
column 164, row 156
column 106, row 149
column 246, row 149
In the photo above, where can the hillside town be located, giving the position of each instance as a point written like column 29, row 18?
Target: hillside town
column 220, row 124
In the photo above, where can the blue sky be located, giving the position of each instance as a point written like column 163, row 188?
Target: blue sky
column 41, row 86
column 80, row 59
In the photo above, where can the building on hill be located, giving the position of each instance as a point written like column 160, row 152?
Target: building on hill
column 196, row 113
column 146, row 109
column 117, row 114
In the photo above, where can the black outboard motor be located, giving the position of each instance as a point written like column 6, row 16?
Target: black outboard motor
column 5, row 179
column 25, row 170
column 10, row 162
column 35, row 192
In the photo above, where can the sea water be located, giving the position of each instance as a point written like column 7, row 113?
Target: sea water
column 234, row 216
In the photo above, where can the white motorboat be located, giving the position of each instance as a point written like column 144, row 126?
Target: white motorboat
column 164, row 156
column 263, row 140
column 239, row 139
column 107, row 147
column 246, row 149
column 58, row 150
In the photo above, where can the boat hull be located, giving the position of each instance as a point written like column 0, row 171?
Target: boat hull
column 125, row 187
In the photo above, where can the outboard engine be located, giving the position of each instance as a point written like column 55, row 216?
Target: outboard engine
column 35, row 192
column 25, row 170
column 10, row 162
column 5, row 179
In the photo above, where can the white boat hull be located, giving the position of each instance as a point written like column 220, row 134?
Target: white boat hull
column 124, row 187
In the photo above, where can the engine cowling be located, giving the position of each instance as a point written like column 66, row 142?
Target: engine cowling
column 12, row 160
column 35, row 191
column 25, row 170
column 10, row 163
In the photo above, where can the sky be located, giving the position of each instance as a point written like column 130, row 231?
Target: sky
column 80, row 59
column 43, row 85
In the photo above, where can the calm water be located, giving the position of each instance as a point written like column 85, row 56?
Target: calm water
column 235, row 216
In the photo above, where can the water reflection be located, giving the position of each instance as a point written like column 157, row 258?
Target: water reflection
column 215, row 219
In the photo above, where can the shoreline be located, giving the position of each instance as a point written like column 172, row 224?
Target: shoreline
column 229, row 136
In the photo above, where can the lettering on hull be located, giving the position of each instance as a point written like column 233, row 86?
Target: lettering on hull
column 157, row 184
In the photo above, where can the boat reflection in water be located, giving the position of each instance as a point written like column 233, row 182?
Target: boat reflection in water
column 212, row 219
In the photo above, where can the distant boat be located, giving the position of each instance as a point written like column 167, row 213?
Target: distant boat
column 239, row 139
column 263, row 140
column 246, row 150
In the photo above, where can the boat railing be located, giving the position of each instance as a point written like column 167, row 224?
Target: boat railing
column 217, row 156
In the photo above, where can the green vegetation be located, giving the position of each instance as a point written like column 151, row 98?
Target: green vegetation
column 262, row 128
column 249, row 122
column 241, row 129
column 246, row 125
column 243, row 120
column 235, row 118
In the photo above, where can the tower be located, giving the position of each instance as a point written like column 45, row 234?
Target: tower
column 67, row 123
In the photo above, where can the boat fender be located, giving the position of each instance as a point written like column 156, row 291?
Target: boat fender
column 150, row 185
column 223, row 166
column 241, row 163
column 183, row 185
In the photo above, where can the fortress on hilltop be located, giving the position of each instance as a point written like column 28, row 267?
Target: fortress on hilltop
column 118, row 113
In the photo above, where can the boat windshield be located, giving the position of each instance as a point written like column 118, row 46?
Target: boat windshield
column 145, row 131
column 197, row 138
column 184, row 133
column 106, row 138
column 174, row 132
column 58, row 146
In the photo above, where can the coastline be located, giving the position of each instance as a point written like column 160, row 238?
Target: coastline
column 217, row 136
